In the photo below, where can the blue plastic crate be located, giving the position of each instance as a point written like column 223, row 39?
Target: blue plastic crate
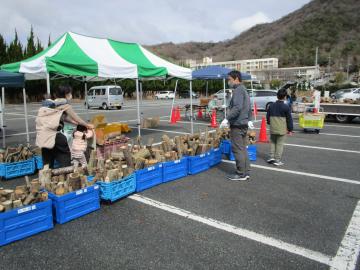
column 215, row 156
column 117, row 189
column 16, row 169
column 199, row 163
column 39, row 162
column 25, row 221
column 75, row 204
column 252, row 149
column 173, row 170
column 149, row 177
column 226, row 147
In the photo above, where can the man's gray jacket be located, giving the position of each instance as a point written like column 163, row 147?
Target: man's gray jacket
column 239, row 113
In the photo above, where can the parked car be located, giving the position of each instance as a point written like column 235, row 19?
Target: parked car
column 186, row 94
column 105, row 97
column 263, row 98
column 164, row 95
column 220, row 94
column 351, row 93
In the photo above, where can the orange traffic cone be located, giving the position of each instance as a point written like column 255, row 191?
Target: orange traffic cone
column 178, row 116
column 213, row 119
column 263, row 136
column 255, row 112
column 173, row 116
column 200, row 114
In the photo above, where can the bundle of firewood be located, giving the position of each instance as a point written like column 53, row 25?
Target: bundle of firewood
column 19, row 153
column 22, row 195
column 117, row 165
column 63, row 180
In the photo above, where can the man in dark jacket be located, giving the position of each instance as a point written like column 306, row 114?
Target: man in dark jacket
column 279, row 118
column 238, row 118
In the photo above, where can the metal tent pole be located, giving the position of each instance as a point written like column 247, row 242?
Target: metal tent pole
column 173, row 102
column 48, row 83
column 138, row 107
column 252, row 93
column 26, row 117
column 86, row 102
column 191, row 109
column 141, row 100
column 224, row 100
column 3, row 116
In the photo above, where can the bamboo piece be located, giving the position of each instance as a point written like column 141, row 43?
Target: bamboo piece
column 60, row 189
column 2, row 208
column 113, row 174
column 74, row 181
column 35, row 186
column 139, row 163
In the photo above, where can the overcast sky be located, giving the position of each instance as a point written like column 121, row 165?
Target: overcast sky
column 143, row 21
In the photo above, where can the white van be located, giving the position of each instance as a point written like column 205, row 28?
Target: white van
column 105, row 97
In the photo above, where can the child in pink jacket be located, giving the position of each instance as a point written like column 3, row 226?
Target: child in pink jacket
column 79, row 145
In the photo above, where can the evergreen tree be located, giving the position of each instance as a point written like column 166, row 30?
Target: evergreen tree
column 39, row 47
column 3, row 53
column 15, row 52
column 30, row 48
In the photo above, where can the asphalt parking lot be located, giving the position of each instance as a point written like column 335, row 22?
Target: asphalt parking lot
column 303, row 215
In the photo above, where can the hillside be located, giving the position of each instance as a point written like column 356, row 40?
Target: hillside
column 332, row 25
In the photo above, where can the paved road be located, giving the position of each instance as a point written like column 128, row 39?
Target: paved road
column 293, row 217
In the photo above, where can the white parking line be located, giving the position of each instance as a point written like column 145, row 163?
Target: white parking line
column 263, row 239
column 337, row 179
column 341, row 126
column 348, row 253
column 341, row 135
column 323, row 148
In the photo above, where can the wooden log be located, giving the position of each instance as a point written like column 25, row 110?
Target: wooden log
column 2, row 208
column 113, row 174
column 64, row 170
column 7, row 205
column 139, row 163
column 143, row 153
column 44, row 196
column 35, row 186
column 179, row 146
column 117, row 156
column 29, row 198
column 127, row 156
column 60, row 189
column 17, row 204
column 74, row 181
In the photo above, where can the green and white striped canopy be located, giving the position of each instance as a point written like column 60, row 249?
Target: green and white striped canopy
column 77, row 55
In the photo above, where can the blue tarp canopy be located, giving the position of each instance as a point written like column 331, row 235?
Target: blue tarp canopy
column 9, row 79
column 215, row 73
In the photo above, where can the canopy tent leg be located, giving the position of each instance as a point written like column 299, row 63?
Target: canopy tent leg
column 191, row 109
column 3, row 116
column 86, row 102
column 253, row 103
column 173, row 101
column 141, row 101
column 26, row 118
column 138, row 106
column 48, row 84
column 224, row 99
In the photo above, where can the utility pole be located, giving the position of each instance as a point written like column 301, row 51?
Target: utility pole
column 316, row 63
column 347, row 69
column 329, row 64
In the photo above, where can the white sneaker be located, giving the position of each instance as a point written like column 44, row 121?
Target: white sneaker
column 278, row 163
column 270, row 160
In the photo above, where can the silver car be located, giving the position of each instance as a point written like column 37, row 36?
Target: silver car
column 263, row 98
column 351, row 93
